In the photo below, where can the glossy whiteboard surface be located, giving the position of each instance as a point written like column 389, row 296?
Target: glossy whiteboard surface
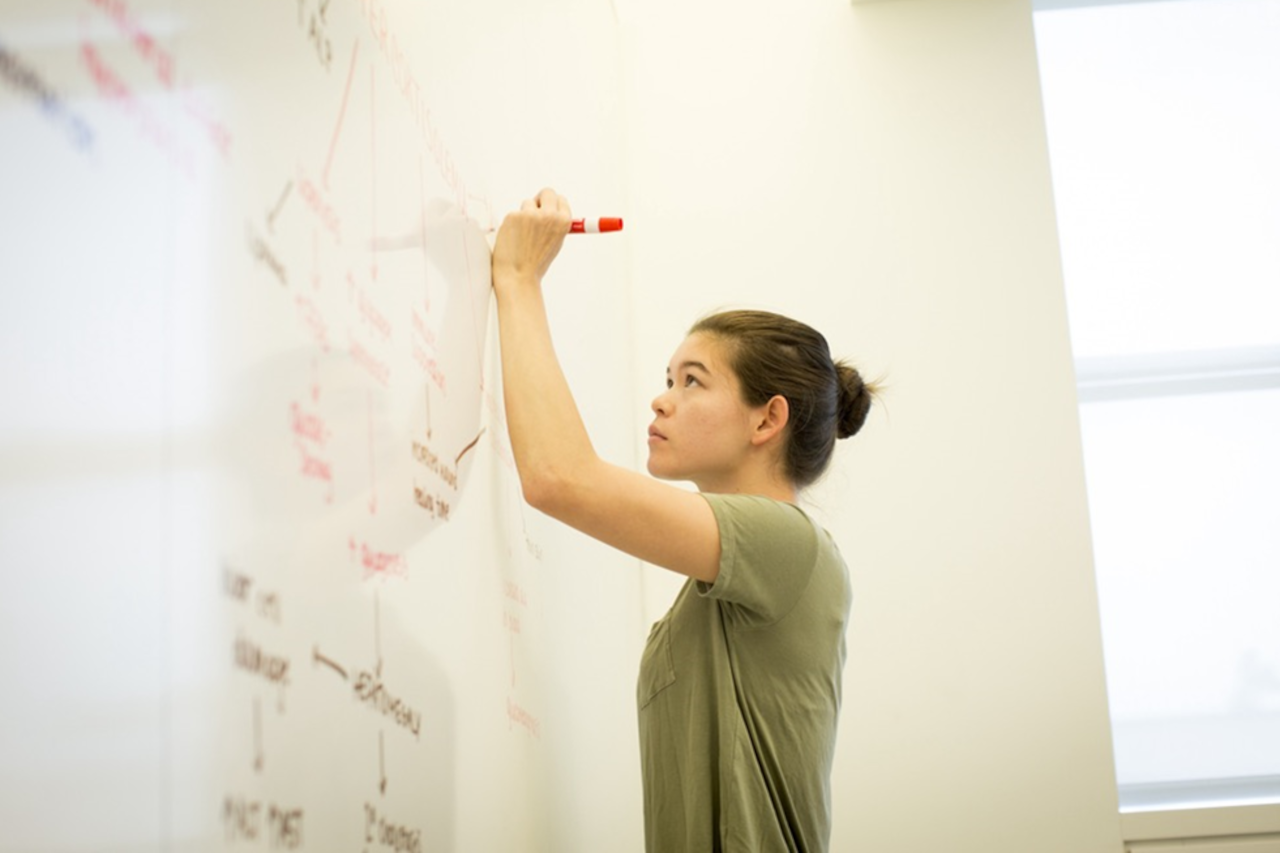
column 270, row 583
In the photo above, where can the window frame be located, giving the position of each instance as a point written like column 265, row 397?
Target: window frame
column 1195, row 813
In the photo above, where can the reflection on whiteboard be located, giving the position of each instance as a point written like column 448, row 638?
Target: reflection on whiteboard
column 387, row 418
column 272, row 584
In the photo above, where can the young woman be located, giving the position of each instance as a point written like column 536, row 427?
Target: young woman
column 739, row 687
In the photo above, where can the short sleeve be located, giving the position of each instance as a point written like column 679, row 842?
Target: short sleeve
column 767, row 554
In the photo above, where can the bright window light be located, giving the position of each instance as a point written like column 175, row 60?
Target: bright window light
column 1164, row 127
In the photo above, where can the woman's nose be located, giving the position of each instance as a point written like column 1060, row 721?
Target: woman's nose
column 661, row 404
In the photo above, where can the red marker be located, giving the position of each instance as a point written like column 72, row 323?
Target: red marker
column 595, row 226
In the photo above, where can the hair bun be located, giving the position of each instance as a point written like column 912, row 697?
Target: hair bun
column 855, row 401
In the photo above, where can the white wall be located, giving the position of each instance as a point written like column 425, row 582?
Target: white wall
column 881, row 171
column 878, row 170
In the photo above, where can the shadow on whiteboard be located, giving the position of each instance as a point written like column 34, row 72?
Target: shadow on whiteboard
column 373, row 440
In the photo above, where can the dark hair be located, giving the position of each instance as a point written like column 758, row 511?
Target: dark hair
column 771, row 355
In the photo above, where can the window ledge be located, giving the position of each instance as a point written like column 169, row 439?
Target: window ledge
column 1103, row 379
column 1209, row 822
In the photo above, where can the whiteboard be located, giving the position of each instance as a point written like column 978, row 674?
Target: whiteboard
column 270, row 581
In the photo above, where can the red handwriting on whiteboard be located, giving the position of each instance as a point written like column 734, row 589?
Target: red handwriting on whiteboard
column 159, row 59
column 320, row 206
column 372, row 318
column 377, row 563
column 514, row 593
column 111, row 86
column 378, row 369
column 313, row 320
column 515, row 605
column 375, row 14
column 198, row 111
column 308, row 426
column 430, row 367
column 161, row 64
column 424, row 348
column 364, row 352
column 519, row 716
column 428, row 336
column 342, row 112
column 316, row 468
column 311, row 435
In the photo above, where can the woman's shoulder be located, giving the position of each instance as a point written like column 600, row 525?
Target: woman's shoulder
column 762, row 507
column 749, row 502
column 771, row 552
column 754, row 518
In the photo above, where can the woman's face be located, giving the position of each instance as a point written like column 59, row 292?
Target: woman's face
column 701, row 429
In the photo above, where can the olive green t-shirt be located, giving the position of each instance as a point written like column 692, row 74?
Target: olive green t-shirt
column 739, row 690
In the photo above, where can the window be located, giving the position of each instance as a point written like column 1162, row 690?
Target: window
column 1164, row 138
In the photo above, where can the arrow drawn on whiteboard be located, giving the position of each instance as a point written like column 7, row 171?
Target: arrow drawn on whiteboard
column 475, row 321
column 316, row 657
column 422, row 224
column 342, row 111
column 315, row 259
column 428, row 411
column 271, row 217
column 373, row 173
column 467, row 449
column 382, row 766
column 377, row 628
column 257, row 735
column 373, row 470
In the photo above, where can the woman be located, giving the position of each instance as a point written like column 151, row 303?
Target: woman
column 739, row 687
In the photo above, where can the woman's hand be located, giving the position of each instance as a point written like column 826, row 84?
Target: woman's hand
column 530, row 239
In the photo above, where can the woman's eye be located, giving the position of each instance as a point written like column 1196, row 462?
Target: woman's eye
column 691, row 380
column 670, row 384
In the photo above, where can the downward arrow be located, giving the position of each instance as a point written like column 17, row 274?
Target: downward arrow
column 257, row 735
column 382, row 767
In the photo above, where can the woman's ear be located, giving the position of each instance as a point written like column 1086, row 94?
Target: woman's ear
column 773, row 419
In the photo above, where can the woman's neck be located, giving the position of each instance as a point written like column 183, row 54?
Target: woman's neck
column 778, row 488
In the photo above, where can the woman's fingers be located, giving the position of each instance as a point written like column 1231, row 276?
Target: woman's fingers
column 549, row 199
column 530, row 239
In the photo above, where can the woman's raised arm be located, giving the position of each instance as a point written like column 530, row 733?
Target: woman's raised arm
column 560, row 471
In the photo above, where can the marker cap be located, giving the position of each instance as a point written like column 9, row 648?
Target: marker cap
column 596, row 226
